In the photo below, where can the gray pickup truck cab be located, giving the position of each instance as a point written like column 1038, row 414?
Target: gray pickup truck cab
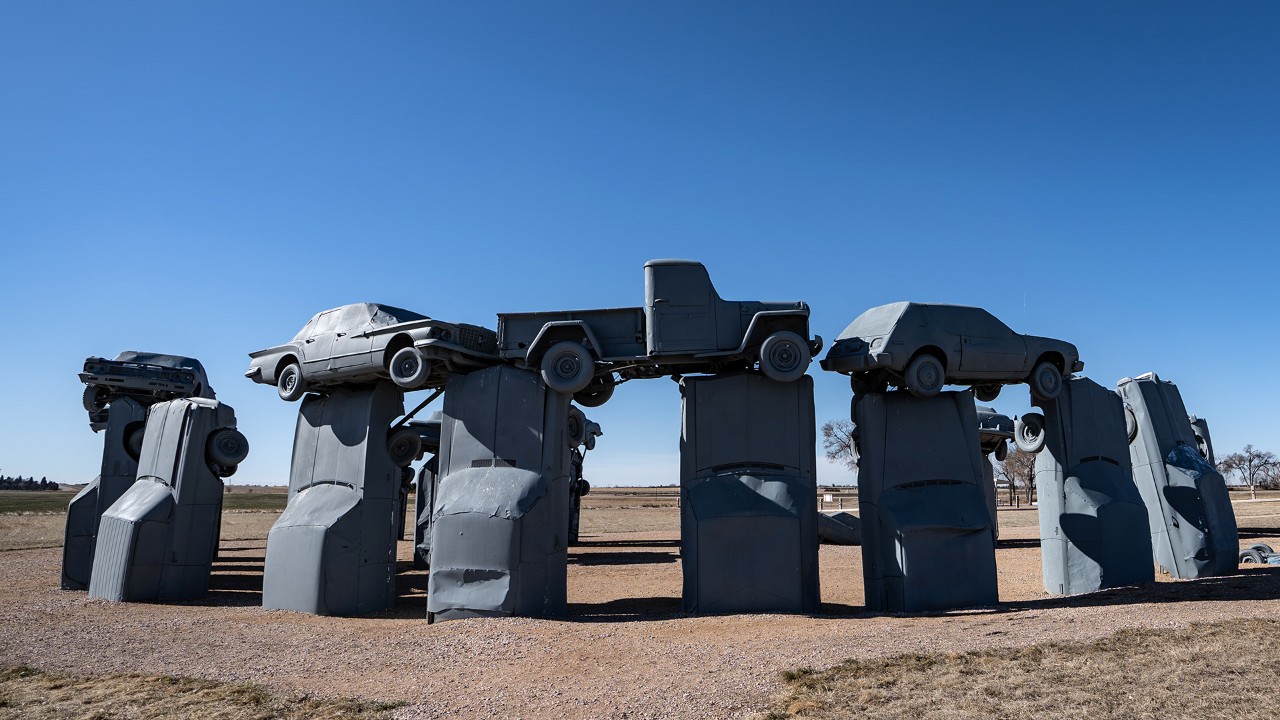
column 684, row 327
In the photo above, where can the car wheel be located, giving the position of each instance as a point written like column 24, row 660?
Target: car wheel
column 925, row 376
column 576, row 427
column 290, row 383
column 1249, row 557
column 1001, row 452
column 784, row 356
column 227, row 447
column 567, row 367
column 133, row 441
column 404, row 444
column 1263, row 548
column 93, row 400
column 1130, row 423
column 1045, row 381
column 987, row 392
column 409, row 369
column 590, row 442
column 1028, row 432
column 597, row 393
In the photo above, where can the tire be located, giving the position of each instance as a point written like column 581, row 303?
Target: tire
column 408, row 368
column 567, row 367
column 1002, row 452
column 576, row 427
column 1263, row 548
column 987, row 392
column 133, row 441
column 226, row 447
column 290, row 384
column 597, row 393
column 784, row 356
column 584, row 488
column 590, row 443
column 1045, row 380
column 1028, row 432
column 92, row 400
column 1130, row 423
column 925, row 376
column 403, row 445
column 1249, row 557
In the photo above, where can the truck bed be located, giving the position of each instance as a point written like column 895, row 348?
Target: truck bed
column 619, row 331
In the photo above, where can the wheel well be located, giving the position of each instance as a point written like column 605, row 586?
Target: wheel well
column 765, row 328
column 394, row 345
column 933, row 350
column 551, row 336
column 285, row 361
column 1055, row 358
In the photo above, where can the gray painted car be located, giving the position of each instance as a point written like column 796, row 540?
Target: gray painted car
column 368, row 341
column 923, row 347
column 147, row 377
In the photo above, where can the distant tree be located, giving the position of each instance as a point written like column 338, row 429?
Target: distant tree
column 1019, row 470
column 1253, row 467
column 837, row 443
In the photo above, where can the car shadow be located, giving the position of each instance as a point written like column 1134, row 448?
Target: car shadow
column 622, row 558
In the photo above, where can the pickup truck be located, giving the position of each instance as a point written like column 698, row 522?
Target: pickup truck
column 683, row 327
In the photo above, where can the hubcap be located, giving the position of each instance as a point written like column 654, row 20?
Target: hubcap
column 785, row 356
column 568, row 366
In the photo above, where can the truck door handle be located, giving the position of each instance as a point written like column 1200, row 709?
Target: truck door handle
column 311, row 340
column 342, row 334
column 660, row 300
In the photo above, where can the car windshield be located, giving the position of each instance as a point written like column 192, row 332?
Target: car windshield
column 387, row 315
column 875, row 322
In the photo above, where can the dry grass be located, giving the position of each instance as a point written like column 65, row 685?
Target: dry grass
column 1223, row 670
column 27, row 693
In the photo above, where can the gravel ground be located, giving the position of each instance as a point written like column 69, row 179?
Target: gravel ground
column 624, row 651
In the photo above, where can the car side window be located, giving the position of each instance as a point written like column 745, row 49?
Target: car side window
column 326, row 323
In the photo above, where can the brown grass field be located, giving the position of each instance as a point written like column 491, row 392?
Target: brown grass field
column 1171, row 649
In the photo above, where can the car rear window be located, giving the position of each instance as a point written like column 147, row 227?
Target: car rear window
column 387, row 315
column 875, row 322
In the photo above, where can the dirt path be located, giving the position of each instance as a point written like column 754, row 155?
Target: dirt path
column 625, row 650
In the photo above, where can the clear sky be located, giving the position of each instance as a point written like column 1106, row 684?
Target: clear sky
column 200, row 178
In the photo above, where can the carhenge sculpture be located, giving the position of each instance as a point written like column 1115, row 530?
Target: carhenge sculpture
column 332, row 551
column 928, row 536
column 505, row 463
column 159, row 540
column 1193, row 527
column 117, row 395
column 1094, row 532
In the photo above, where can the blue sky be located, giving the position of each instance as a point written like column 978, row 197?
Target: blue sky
column 200, row 178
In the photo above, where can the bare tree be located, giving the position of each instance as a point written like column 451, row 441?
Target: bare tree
column 837, row 443
column 1253, row 467
column 1019, row 470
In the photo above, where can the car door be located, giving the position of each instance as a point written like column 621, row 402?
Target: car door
column 351, row 343
column 682, row 314
column 989, row 346
column 317, row 348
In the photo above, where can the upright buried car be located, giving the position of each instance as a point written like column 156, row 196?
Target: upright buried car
column 363, row 341
column 924, row 347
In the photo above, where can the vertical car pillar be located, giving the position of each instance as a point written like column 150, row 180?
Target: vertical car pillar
column 125, row 419
column 927, row 540
column 1193, row 527
column 748, row 522
column 498, row 533
column 332, row 551
column 158, row 541
column 1093, row 523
